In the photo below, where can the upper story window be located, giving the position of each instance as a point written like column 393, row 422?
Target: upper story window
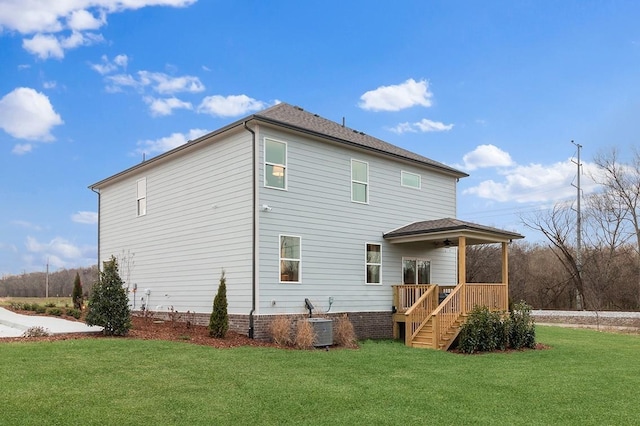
column 374, row 263
column 411, row 180
column 141, row 197
column 275, row 164
column 290, row 259
column 359, row 181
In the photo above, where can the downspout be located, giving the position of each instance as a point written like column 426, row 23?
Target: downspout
column 98, row 192
column 254, row 245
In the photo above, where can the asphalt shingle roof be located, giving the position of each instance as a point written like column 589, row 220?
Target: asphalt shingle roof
column 446, row 224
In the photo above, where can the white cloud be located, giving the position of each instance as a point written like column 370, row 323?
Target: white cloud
column 47, row 46
column 167, row 143
column 22, row 148
column 536, row 183
column 486, row 156
column 159, row 82
column 59, row 252
column 162, row 107
column 44, row 18
column 424, row 125
column 28, row 114
column 49, row 84
column 229, row 106
column 27, row 225
column 89, row 218
column 397, row 97
column 58, row 246
column 106, row 66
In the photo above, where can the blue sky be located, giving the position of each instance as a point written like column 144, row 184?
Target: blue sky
column 496, row 88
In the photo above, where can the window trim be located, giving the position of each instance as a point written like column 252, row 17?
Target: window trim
column 268, row 163
column 140, row 197
column 403, row 173
column 366, row 184
column 367, row 263
column 280, row 259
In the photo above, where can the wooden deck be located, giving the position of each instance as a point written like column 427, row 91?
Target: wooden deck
column 430, row 316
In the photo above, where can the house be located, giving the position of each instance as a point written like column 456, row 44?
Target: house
column 294, row 206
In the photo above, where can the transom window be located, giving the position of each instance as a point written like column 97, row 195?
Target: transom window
column 359, row 181
column 275, row 164
column 141, row 197
column 411, row 180
column 416, row 271
column 374, row 263
column 290, row 260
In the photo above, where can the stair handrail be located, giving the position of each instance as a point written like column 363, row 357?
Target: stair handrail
column 414, row 317
column 443, row 320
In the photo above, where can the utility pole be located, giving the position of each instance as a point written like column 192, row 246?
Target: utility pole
column 579, row 301
column 46, row 281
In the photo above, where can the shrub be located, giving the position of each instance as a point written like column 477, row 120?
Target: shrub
column 72, row 312
column 219, row 320
column 109, row 305
column 305, row 336
column 38, row 309
column 522, row 330
column 24, row 306
column 36, row 331
column 50, row 305
column 54, row 311
column 345, row 335
column 76, row 295
column 482, row 332
column 280, row 330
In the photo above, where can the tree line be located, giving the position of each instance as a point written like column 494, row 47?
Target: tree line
column 61, row 282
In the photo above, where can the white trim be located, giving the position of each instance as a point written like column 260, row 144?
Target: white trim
column 284, row 166
column 141, row 194
column 367, row 263
column 280, row 259
column 403, row 173
column 360, row 182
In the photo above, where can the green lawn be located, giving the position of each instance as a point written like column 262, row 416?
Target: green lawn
column 60, row 302
column 586, row 378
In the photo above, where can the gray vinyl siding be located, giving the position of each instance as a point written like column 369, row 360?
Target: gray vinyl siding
column 198, row 222
column 317, row 207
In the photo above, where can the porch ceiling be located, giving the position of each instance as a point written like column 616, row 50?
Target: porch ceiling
column 446, row 233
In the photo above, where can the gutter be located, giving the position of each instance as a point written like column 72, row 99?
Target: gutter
column 98, row 192
column 254, row 237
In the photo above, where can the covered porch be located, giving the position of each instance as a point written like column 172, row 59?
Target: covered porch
column 429, row 315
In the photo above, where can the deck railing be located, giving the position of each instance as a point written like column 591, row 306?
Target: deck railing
column 494, row 296
column 417, row 314
column 405, row 296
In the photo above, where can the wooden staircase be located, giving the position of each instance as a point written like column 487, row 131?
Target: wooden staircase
column 429, row 324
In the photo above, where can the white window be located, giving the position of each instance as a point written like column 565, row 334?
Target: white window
column 290, row 260
column 275, row 164
column 374, row 263
column 359, row 181
column 141, row 199
column 416, row 271
column 411, row 180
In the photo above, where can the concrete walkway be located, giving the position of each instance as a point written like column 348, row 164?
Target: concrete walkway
column 14, row 325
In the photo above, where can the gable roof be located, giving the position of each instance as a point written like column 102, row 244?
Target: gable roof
column 449, row 228
column 296, row 119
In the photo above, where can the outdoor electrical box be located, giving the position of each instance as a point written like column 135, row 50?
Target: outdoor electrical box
column 323, row 330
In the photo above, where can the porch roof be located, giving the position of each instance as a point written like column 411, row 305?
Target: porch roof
column 446, row 232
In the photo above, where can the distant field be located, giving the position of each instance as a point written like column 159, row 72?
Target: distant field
column 59, row 301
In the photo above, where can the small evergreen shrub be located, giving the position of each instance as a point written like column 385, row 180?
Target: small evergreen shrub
column 109, row 304
column 76, row 294
column 482, row 332
column 50, row 305
column 54, row 311
column 522, row 331
column 305, row 336
column 280, row 330
column 345, row 334
column 72, row 312
column 38, row 309
column 24, row 306
column 219, row 319
column 36, row 331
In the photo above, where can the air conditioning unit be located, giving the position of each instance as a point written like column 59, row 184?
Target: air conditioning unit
column 323, row 330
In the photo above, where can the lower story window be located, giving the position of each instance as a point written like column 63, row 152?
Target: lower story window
column 416, row 271
column 374, row 263
column 290, row 260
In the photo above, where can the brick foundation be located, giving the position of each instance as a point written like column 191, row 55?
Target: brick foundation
column 367, row 325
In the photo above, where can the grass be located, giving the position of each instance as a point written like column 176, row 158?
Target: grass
column 60, row 302
column 586, row 378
